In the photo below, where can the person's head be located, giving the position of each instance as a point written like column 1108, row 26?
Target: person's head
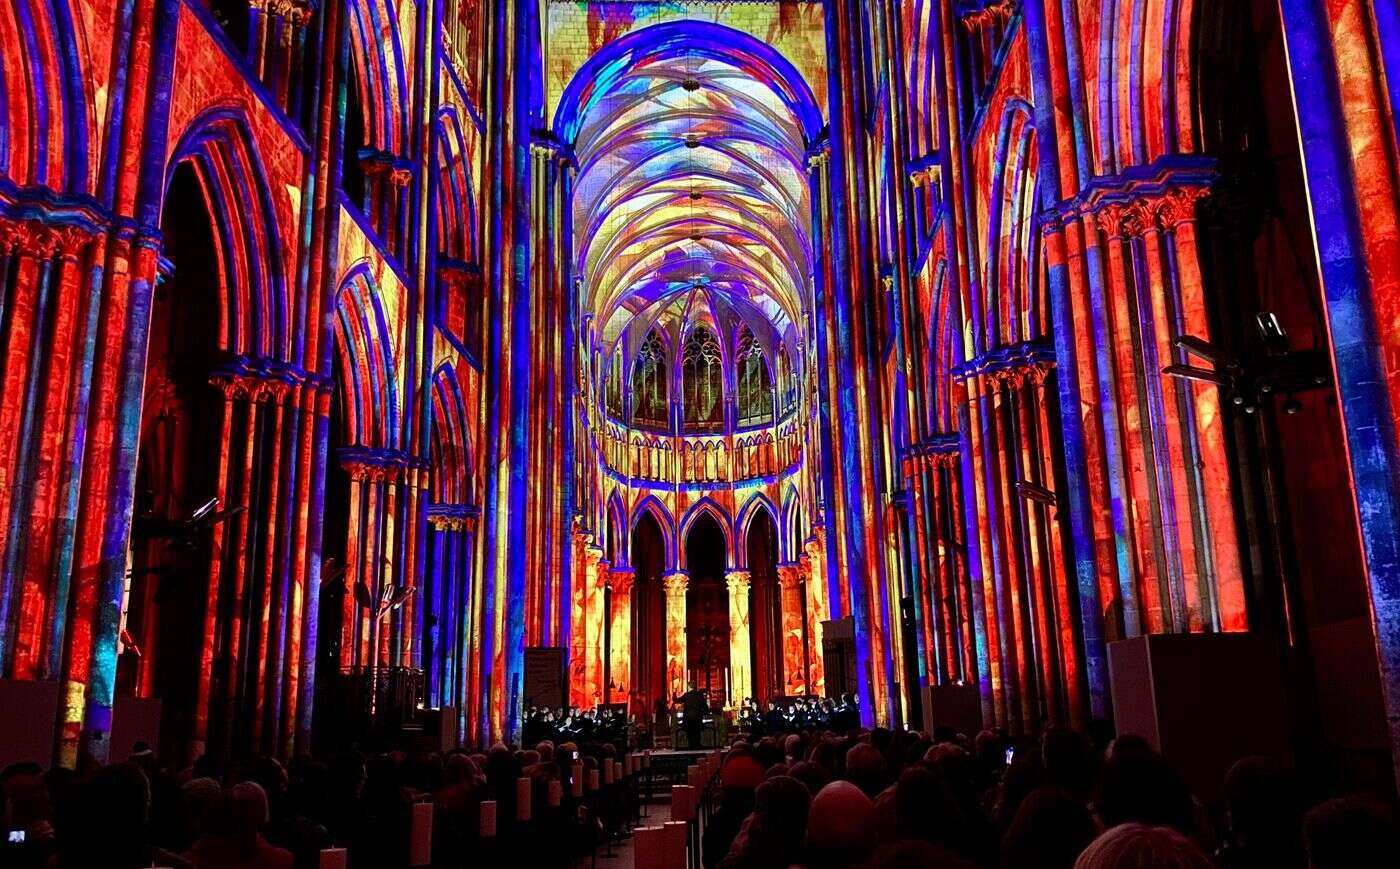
column 812, row 775
column 741, row 773
column 1068, row 758
column 121, row 794
column 1138, row 786
column 865, row 767
column 1049, row 831
column 271, row 775
column 1351, row 832
column 925, row 808
column 767, row 751
column 792, row 746
column 201, row 798
column 1261, row 805
column 784, row 803
column 840, row 831
column 247, row 803
column 1142, row 846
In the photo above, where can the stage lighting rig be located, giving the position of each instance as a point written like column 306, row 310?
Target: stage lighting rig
column 1246, row 383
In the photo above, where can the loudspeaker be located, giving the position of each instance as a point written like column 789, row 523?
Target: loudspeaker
column 27, row 725
column 1203, row 700
column 954, row 705
column 839, row 656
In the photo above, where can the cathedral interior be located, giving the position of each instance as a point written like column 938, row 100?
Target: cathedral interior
column 1023, row 363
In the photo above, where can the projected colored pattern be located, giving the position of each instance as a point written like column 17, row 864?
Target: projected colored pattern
column 970, row 228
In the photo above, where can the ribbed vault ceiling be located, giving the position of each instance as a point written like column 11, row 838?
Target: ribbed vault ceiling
column 692, row 203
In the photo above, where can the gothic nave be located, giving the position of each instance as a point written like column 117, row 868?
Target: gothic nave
column 386, row 367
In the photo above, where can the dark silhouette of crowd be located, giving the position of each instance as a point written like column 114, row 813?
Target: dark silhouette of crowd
column 874, row 799
column 262, row 815
column 881, row 799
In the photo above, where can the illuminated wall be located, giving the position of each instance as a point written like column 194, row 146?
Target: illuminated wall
column 989, row 258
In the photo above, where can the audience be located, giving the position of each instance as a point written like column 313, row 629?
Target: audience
column 861, row 799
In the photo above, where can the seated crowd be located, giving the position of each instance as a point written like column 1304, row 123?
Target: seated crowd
column 871, row 798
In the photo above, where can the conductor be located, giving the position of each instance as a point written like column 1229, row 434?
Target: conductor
column 694, row 706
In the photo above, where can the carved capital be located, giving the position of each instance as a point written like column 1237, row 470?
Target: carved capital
column 1178, row 206
column 1110, row 220
column 737, row 581
column 675, row 583
column 789, row 576
column 622, row 580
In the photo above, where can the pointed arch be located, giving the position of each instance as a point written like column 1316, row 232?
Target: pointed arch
column 757, row 503
column 791, row 526
column 451, row 444
column 363, row 345
column 456, row 187
column 220, row 146
column 651, row 504
column 47, row 114
column 706, row 505
column 618, row 529
column 378, row 63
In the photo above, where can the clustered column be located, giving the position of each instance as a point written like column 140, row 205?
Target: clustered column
column 620, row 582
column 794, row 649
column 740, row 645
column 675, row 584
column 813, row 567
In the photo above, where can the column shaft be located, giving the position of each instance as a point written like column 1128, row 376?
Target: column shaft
column 740, row 642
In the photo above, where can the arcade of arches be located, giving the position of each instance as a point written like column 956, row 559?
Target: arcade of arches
column 944, row 353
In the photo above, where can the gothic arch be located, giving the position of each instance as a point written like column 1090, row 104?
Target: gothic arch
column 220, row 147
column 716, row 512
column 454, row 470
column 756, row 504
column 46, row 107
column 651, row 504
column 618, row 529
column 377, row 50
column 363, row 345
column 456, row 191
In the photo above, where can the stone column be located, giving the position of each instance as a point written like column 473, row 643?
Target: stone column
column 740, row 644
column 620, row 580
column 794, row 663
column 675, row 584
column 578, row 618
column 597, row 626
column 813, row 563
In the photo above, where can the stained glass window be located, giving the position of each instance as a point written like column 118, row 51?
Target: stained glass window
column 650, row 381
column 754, row 382
column 702, row 380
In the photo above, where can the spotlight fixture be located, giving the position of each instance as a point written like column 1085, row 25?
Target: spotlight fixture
column 692, row 140
column 1037, row 493
column 1279, row 369
column 1272, row 333
column 1193, row 372
column 696, row 196
column 1201, row 348
column 691, row 84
